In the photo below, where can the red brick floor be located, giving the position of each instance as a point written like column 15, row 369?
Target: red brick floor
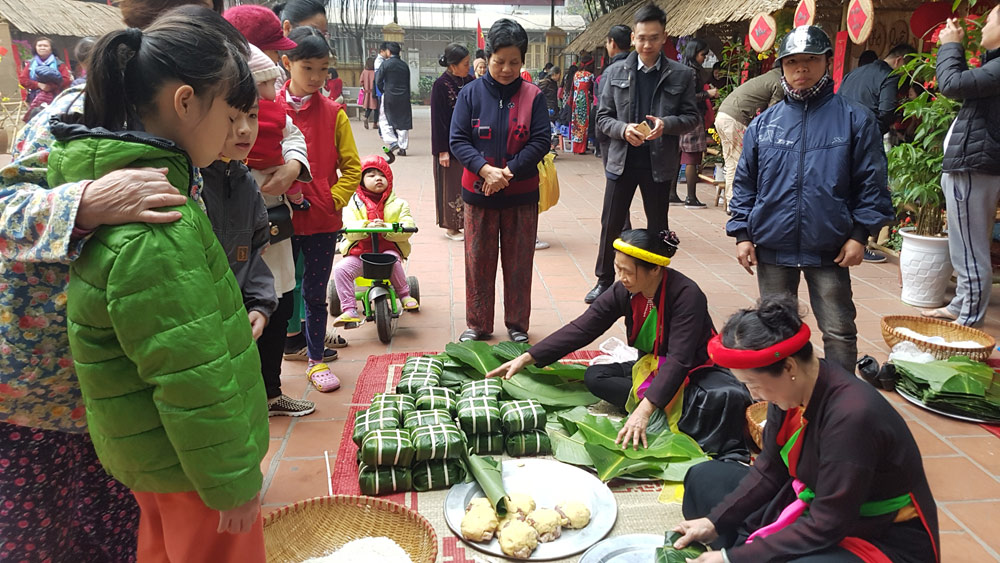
column 962, row 460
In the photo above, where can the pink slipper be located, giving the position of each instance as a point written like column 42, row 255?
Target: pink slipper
column 322, row 378
column 410, row 304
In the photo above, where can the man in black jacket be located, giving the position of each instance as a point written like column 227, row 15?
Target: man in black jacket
column 874, row 87
column 649, row 88
column 617, row 44
column 396, row 118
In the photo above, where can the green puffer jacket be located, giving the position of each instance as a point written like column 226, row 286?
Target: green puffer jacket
column 160, row 339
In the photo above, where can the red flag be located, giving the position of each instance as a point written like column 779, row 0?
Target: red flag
column 480, row 41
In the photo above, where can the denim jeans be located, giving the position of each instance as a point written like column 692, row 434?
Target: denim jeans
column 832, row 304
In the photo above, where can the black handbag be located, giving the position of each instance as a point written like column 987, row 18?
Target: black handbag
column 279, row 220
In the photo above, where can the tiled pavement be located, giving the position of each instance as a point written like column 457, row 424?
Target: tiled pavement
column 962, row 460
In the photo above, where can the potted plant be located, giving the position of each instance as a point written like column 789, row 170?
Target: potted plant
column 915, row 182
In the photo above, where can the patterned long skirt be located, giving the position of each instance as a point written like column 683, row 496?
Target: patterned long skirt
column 448, row 194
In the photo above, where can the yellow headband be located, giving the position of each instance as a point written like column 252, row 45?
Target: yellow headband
column 641, row 254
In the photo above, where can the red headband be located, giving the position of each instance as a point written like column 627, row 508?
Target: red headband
column 753, row 359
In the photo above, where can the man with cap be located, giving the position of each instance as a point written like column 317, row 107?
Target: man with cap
column 810, row 188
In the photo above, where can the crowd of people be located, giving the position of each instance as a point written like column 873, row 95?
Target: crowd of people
column 145, row 326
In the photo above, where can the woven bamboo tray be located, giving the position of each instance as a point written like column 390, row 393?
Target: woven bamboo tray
column 756, row 415
column 937, row 327
column 321, row 525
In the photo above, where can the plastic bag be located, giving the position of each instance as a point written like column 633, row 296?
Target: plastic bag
column 615, row 352
column 910, row 352
column 548, row 183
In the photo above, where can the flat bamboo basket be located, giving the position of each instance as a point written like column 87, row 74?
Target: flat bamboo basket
column 937, row 327
column 756, row 415
column 321, row 525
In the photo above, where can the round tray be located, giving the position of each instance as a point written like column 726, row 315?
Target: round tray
column 548, row 482
column 921, row 404
column 633, row 548
column 318, row 526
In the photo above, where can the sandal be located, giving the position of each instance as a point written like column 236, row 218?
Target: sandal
column 411, row 304
column 472, row 334
column 347, row 319
column 334, row 340
column 518, row 336
column 322, row 378
column 940, row 313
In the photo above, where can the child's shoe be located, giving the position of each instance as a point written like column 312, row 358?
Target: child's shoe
column 410, row 304
column 322, row 378
column 348, row 318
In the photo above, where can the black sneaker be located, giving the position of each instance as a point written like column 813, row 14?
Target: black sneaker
column 283, row 405
column 674, row 200
column 694, row 204
column 873, row 257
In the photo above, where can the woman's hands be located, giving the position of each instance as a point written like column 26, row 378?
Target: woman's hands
column 700, row 530
column 635, row 426
column 239, row 520
column 494, row 179
column 510, row 368
column 952, row 32
column 278, row 179
column 257, row 323
column 444, row 159
column 128, row 196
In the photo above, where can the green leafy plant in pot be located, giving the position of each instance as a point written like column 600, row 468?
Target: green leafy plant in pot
column 915, row 181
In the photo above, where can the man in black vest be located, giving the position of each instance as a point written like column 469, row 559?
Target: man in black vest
column 648, row 88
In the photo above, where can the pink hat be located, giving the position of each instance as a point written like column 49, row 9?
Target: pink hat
column 260, row 26
column 262, row 66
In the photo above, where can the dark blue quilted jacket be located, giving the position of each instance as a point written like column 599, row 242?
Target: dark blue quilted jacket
column 812, row 175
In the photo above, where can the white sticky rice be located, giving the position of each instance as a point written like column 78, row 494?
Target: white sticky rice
column 366, row 550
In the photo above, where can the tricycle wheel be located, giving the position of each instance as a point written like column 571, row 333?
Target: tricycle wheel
column 414, row 287
column 333, row 297
column 383, row 318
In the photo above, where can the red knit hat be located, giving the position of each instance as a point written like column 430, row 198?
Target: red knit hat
column 260, row 26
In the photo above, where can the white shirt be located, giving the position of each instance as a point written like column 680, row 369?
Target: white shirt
column 644, row 68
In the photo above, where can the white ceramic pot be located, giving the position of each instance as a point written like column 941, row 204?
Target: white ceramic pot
column 925, row 267
column 720, row 172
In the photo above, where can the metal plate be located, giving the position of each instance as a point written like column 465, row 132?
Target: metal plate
column 633, row 548
column 548, row 482
column 921, row 404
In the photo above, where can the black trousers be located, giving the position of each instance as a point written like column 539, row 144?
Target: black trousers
column 714, row 412
column 271, row 345
column 617, row 200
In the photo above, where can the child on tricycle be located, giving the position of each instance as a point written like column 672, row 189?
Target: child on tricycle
column 374, row 204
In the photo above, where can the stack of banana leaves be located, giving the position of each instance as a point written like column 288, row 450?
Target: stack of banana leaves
column 957, row 386
column 577, row 437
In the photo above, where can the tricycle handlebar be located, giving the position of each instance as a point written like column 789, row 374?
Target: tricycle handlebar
column 389, row 228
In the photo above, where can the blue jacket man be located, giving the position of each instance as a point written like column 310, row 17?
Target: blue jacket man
column 810, row 188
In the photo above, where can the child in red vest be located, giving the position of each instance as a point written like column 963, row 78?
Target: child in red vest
column 374, row 204
column 331, row 147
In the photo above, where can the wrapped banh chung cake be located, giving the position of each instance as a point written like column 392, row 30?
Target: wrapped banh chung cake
column 479, row 415
column 426, row 418
column 422, row 365
column 486, row 444
column 428, row 398
column 532, row 442
column 484, row 388
column 519, row 416
column 383, row 417
column 404, row 403
column 437, row 474
column 376, row 481
column 387, row 447
column 438, row 441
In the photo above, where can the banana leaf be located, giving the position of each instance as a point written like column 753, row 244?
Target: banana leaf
column 569, row 371
column 667, row 553
column 439, row 474
column 549, row 390
column 476, row 354
column 402, row 402
column 455, row 378
column 438, row 441
column 426, row 418
column 568, row 448
column 601, row 431
column 489, row 476
column 410, row 384
column 509, row 350
column 958, row 385
column 383, row 417
column 447, row 361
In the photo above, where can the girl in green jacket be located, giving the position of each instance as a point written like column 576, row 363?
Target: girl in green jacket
column 160, row 338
